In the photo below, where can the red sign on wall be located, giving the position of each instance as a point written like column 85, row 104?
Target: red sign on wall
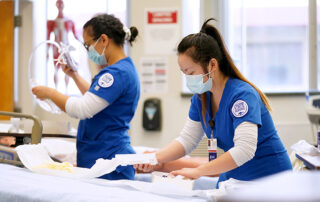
column 162, row 17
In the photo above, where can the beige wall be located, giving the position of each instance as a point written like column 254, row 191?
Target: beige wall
column 288, row 111
column 174, row 108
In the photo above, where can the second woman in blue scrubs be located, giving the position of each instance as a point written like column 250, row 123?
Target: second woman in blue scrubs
column 109, row 103
column 242, row 126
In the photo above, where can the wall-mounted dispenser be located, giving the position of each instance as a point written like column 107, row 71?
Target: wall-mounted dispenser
column 152, row 114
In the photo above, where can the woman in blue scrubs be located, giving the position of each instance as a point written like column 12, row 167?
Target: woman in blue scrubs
column 109, row 103
column 227, row 106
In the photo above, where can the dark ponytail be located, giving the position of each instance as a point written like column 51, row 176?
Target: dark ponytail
column 207, row 44
column 134, row 34
column 110, row 26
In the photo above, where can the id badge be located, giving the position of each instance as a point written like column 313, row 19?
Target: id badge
column 212, row 148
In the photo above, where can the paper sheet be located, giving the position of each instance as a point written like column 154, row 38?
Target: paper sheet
column 132, row 159
column 33, row 156
column 61, row 149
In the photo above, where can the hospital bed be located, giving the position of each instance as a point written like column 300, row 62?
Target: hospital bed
column 20, row 184
column 34, row 132
column 8, row 155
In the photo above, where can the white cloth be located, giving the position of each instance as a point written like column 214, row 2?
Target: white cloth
column 305, row 150
column 303, row 147
column 62, row 149
column 245, row 143
column 245, row 140
column 191, row 135
column 86, row 106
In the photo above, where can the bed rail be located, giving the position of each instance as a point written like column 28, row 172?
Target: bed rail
column 36, row 128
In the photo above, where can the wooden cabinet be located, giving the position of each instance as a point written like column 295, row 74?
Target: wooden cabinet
column 6, row 56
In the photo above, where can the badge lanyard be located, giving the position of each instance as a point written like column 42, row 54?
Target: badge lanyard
column 212, row 143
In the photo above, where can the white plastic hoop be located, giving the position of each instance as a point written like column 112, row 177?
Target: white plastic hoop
column 46, row 104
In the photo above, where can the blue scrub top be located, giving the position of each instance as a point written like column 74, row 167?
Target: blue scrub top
column 241, row 102
column 106, row 133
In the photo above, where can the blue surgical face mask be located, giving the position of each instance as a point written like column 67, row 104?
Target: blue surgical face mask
column 95, row 57
column 196, row 85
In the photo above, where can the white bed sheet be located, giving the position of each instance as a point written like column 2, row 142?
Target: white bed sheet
column 284, row 187
column 20, row 184
column 202, row 183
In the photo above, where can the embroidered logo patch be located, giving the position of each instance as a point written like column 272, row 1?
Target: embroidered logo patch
column 239, row 108
column 97, row 87
column 106, row 80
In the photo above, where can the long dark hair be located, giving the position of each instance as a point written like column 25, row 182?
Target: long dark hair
column 207, row 44
column 111, row 26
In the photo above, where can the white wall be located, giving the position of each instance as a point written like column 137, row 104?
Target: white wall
column 288, row 111
column 25, row 48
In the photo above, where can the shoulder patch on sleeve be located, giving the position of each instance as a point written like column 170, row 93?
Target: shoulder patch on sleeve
column 106, row 80
column 240, row 108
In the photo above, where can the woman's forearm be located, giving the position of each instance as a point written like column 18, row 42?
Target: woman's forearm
column 58, row 98
column 82, row 84
column 171, row 152
column 220, row 165
column 185, row 162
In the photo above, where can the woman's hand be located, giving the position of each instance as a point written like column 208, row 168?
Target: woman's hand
column 191, row 173
column 68, row 70
column 42, row 92
column 147, row 168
